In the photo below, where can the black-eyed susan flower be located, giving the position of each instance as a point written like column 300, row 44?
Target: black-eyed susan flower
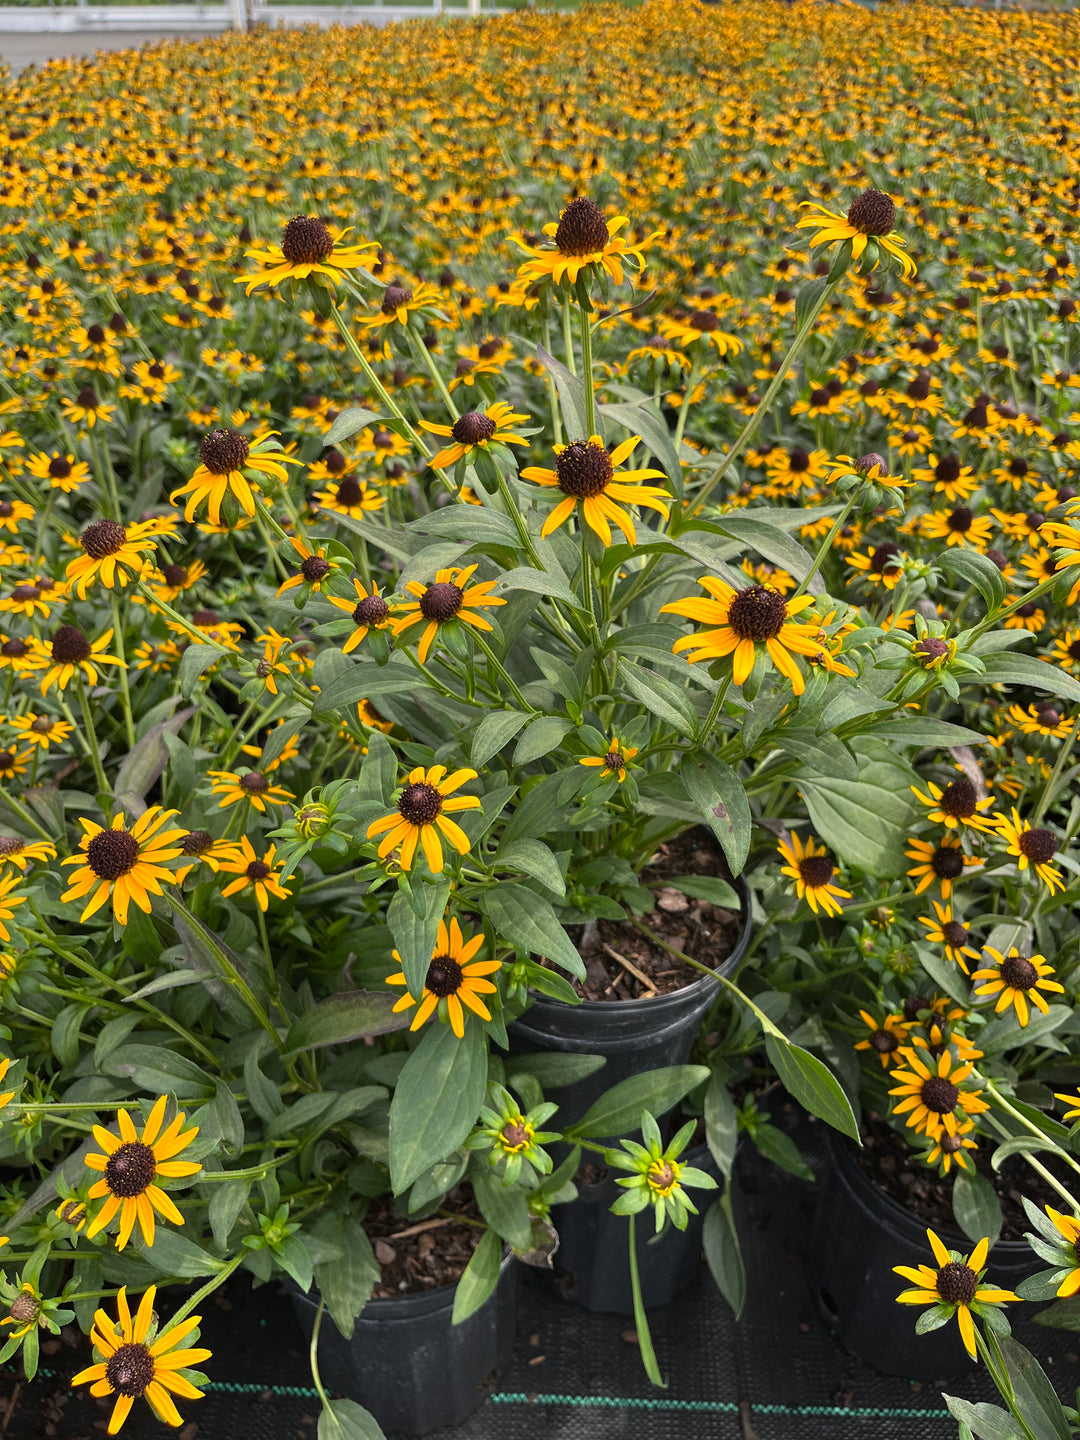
column 316, row 569
column 6, row 1096
column 658, row 1176
column 1066, row 651
column 1032, row 846
column 949, row 1150
column 944, row 862
column 870, row 221
column 1065, row 541
column 369, row 612
column 129, row 865
column 956, row 805
column 13, row 513
column 8, row 902
column 250, row 785
column 71, row 653
column 172, row 580
column 699, row 325
column 86, row 409
column 259, row 873
column 1015, row 979
column 956, row 938
column 40, row 730
column 16, row 851
column 453, row 976
column 588, row 475
column 114, row 554
column 424, row 807
column 931, row 1091
column 812, row 868
column 449, row 597
column 583, row 236
column 1058, row 1242
column 132, row 1369
column 349, row 496
column 13, row 762
column 885, row 1037
column 476, row 429
column 399, row 302
column 129, row 1168
column 1041, row 718
column 308, row 247
column 200, row 846
column 228, row 460
column 614, row 761
column 870, row 469
column 272, row 665
column 744, row 620
column 63, row 472
column 955, row 1287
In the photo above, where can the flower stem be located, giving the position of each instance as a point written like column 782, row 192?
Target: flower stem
column 714, row 711
column 684, row 408
column 125, row 691
column 91, row 737
column 826, row 546
column 433, row 370
column 587, row 372
column 373, row 379
column 1055, row 775
column 207, row 1289
column 508, row 679
column 568, row 339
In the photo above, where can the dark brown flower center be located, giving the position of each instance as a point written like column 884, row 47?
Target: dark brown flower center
column 26, row 592
column 514, row 1134
column 954, row 934
column 704, row 320
column 102, row 538
column 583, row 469
column 444, row 976
column 947, row 862
column 130, row 1169
column 441, row 601
column 314, row 569
column 933, row 647
column 957, row 1283
column 939, row 1095
column 197, row 842
column 372, row 610
column 872, row 213
column 112, row 853
column 11, row 845
column 130, row 1370
column 86, row 399
column 798, row 459
column 223, row 451
column 254, row 782
column 959, row 799
column 306, row 241
column 884, row 1041
column 882, row 558
column 349, row 492
column 757, row 613
column 582, row 229
column 1018, row 972
column 872, row 464
column 24, row 1308
column 816, row 870
column 14, row 649
column 59, row 468
column 258, row 870
column 1047, row 715
column 948, row 469
column 175, row 576
column 42, row 725
column 959, row 521
column 420, row 803
column 95, row 334
column 613, row 760
column 395, row 296
column 335, row 461
column 1040, row 846
column 70, row 645
column 472, row 427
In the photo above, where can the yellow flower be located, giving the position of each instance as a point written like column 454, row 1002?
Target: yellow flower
column 744, row 619
column 1015, row 979
column 885, row 1038
column 423, row 814
column 949, row 1148
column 130, row 1165
column 252, row 786
column 315, row 569
column 308, row 247
column 6, row 1096
column 944, row 862
column 350, row 496
column 41, row 730
column 950, row 933
column 114, row 554
column 957, row 805
column 86, row 409
column 69, row 653
column 444, row 600
column 1032, row 846
column 582, row 237
column 954, row 1283
column 587, row 474
column 870, row 219
column 8, row 901
column 812, row 869
column 14, row 850
column 132, row 1369
column 271, row 664
column 370, row 612
column 398, row 303
column 614, row 760
column 257, row 873
column 454, row 976
column 476, row 429
column 226, row 457
column 126, row 864
column 930, row 1097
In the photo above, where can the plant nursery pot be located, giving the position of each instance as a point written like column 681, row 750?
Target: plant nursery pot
column 859, row 1234
column 592, row 1262
column 633, row 1036
column 406, row 1362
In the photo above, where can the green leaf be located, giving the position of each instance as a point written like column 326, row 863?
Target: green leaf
column 721, row 1125
column 280, row 736
column 415, row 935
column 988, row 1422
column 159, row 1071
column 947, row 978
column 539, row 582
column 365, row 681
column 64, row 1036
column 618, row 1110
column 723, row 1254
column 923, row 730
column 142, row 766
column 293, row 1257
column 1064, row 1315
column 822, row 754
column 976, row 1206
column 644, row 421
column 524, row 919
column 554, row 1069
column 504, row 1207
column 781, row 1150
column 971, row 568
column 345, row 1283
column 478, row 524
column 806, row 298
column 1026, row 670
column 345, row 1420
column 774, row 544
column 1005, row 1032
column 349, row 423
column 571, row 395
column 535, row 859
column 865, row 822
column 1019, row 1145
column 667, row 701
column 480, row 1277
column 173, row 1254
column 1036, row 1399
column 493, row 732
column 344, row 1018
column 196, row 659
column 263, row 1095
column 706, row 887
column 813, row 1084
column 227, row 1199
column 544, row 734
column 718, row 793
column 378, row 773
column 439, row 1094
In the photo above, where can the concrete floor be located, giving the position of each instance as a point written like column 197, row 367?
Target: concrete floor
column 22, row 50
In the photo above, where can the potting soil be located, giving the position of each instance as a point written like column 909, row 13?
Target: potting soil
column 775, row 1374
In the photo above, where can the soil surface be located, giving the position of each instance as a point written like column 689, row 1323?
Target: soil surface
column 614, row 950
column 892, row 1167
column 416, row 1255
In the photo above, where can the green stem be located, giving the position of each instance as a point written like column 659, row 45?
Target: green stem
column 507, row 678
column 1033, row 1129
column 641, row 1319
column 374, row 381
column 207, row 1289
column 519, row 522
column 826, row 546
column 125, row 692
column 749, row 430
column 568, row 339
column 24, row 815
column 91, row 737
column 714, row 710
column 186, row 625
column 587, row 372
column 1055, row 775
column 433, row 370
column 684, row 408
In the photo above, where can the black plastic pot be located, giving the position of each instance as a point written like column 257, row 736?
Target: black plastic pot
column 406, row 1362
column 633, row 1036
column 859, row 1234
column 592, row 1263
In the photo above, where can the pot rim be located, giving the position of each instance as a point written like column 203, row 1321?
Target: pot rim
column 843, row 1151
column 382, row 1305
column 704, row 982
